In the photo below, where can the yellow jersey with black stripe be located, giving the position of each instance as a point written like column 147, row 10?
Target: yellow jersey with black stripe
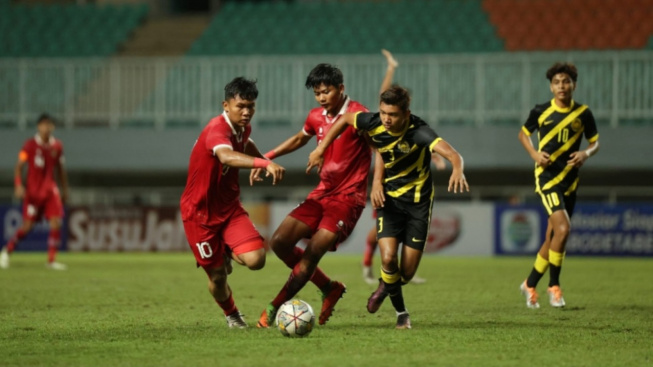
column 560, row 131
column 406, row 156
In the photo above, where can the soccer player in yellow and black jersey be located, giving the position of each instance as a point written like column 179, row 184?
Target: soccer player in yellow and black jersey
column 561, row 124
column 405, row 143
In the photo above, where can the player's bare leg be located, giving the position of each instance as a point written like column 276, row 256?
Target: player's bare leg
column 54, row 241
column 223, row 296
column 368, row 255
column 410, row 259
column 23, row 231
column 390, row 284
column 561, row 225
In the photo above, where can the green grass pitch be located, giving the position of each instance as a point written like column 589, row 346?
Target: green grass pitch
column 155, row 310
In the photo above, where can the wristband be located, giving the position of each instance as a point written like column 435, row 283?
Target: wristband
column 261, row 163
column 270, row 155
column 18, row 181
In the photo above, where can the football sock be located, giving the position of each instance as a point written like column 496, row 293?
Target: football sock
column 296, row 281
column 228, row 306
column 53, row 244
column 319, row 278
column 368, row 254
column 393, row 287
column 539, row 268
column 18, row 236
column 555, row 261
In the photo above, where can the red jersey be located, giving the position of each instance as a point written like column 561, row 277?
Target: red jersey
column 346, row 161
column 41, row 157
column 212, row 191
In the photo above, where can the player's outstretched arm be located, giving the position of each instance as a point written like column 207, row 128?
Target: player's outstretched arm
column 457, row 181
column 389, row 72
column 230, row 158
column 315, row 159
column 376, row 195
column 577, row 159
column 19, row 189
column 540, row 158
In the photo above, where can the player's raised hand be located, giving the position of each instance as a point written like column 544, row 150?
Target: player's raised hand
column 458, row 182
column 315, row 159
column 542, row 159
column 255, row 175
column 577, row 159
column 276, row 171
column 392, row 62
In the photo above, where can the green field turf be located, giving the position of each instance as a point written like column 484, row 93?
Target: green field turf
column 155, row 310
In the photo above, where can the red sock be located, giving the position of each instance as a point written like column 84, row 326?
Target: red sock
column 228, row 306
column 18, row 236
column 291, row 288
column 53, row 244
column 319, row 278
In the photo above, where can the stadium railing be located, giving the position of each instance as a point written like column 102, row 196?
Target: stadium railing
column 466, row 90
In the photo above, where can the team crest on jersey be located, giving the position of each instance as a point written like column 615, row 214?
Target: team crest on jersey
column 576, row 125
column 403, row 147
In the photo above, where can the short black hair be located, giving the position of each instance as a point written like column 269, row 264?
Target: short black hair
column 242, row 87
column 44, row 117
column 326, row 74
column 562, row 67
column 397, row 96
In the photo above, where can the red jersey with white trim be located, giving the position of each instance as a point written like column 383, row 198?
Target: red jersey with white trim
column 41, row 157
column 346, row 161
column 212, row 191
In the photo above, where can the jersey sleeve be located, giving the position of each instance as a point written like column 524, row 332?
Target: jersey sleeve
column 426, row 137
column 23, row 155
column 531, row 123
column 591, row 132
column 219, row 135
column 364, row 121
column 309, row 129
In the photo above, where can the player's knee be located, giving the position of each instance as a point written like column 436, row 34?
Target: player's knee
column 388, row 260
column 562, row 230
column 254, row 260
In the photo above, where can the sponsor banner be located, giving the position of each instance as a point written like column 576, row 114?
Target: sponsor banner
column 456, row 229
column 596, row 229
column 37, row 240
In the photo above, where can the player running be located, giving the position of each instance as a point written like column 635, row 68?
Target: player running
column 216, row 224
column 405, row 143
column 561, row 124
column 43, row 155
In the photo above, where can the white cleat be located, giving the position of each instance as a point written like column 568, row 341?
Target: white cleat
column 4, row 259
column 368, row 277
column 235, row 320
column 555, row 296
column 530, row 294
column 417, row 280
column 56, row 266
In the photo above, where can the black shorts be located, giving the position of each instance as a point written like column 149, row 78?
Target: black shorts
column 554, row 199
column 409, row 223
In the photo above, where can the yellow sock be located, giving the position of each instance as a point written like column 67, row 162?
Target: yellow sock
column 555, row 258
column 541, row 264
column 390, row 278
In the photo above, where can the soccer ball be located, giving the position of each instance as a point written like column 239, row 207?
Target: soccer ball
column 295, row 319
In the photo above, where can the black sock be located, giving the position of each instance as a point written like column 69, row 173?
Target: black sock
column 533, row 278
column 396, row 296
column 554, row 273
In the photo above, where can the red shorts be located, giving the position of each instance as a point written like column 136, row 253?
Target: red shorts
column 329, row 213
column 50, row 207
column 208, row 242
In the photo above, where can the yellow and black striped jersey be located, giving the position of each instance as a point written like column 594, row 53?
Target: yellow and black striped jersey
column 560, row 132
column 406, row 156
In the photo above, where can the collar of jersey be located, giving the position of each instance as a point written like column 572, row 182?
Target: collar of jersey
column 39, row 141
column 226, row 118
column 342, row 110
column 402, row 132
column 560, row 109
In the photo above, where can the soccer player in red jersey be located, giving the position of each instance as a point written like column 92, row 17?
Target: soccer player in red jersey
column 330, row 212
column 217, row 226
column 43, row 155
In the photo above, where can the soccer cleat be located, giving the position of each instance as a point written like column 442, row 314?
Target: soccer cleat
column 555, row 296
column 235, row 320
column 403, row 320
column 267, row 317
column 530, row 294
column 329, row 300
column 417, row 280
column 376, row 299
column 4, row 258
column 367, row 275
column 56, row 266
